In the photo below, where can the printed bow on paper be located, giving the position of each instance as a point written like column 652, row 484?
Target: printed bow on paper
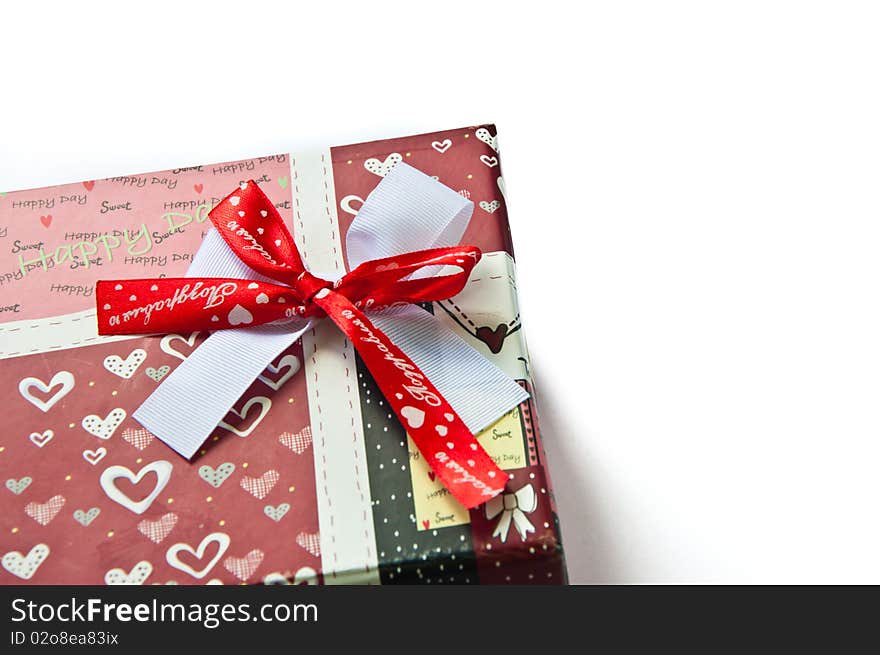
column 513, row 508
column 253, row 278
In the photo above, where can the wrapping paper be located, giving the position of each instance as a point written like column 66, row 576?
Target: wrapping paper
column 310, row 478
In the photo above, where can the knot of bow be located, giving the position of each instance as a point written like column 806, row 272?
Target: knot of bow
column 283, row 290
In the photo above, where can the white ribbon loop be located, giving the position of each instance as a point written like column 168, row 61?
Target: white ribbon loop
column 513, row 508
column 407, row 211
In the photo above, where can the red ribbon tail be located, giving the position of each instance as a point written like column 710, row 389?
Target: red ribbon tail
column 441, row 436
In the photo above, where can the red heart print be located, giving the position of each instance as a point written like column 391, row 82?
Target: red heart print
column 46, row 220
column 89, row 185
column 426, row 523
column 198, row 188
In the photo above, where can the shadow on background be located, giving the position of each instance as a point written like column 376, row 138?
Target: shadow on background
column 587, row 538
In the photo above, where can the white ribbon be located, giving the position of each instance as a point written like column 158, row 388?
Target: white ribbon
column 407, row 211
column 513, row 508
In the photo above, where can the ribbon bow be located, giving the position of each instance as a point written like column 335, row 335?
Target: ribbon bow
column 512, row 507
column 273, row 289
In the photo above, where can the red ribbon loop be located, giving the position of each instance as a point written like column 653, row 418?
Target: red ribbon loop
column 252, row 227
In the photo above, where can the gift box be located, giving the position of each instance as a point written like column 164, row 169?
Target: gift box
column 310, row 477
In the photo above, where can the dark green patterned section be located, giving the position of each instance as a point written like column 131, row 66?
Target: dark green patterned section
column 406, row 555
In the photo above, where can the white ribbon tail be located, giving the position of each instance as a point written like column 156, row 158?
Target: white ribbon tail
column 522, row 523
column 479, row 392
column 186, row 408
column 503, row 525
column 526, row 501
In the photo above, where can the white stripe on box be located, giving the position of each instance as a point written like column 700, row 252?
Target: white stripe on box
column 41, row 335
column 345, row 514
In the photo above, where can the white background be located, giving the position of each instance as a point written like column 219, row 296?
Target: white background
column 693, row 192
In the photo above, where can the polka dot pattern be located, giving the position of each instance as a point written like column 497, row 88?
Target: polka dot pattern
column 535, row 559
column 406, row 555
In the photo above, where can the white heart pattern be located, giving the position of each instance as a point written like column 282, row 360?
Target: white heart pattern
column 276, row 513
column 220, row 538
column 43, row 513
column 64, row 378
column 138, row 574
column 491, row 162
column 414, row 416
column 483, row 135
column 261, row 486
column 17, row 486
column 264, row 404
column 310, row 541
column 442, row 146
column 382, row 168
column 104, row 428
column 291, row 362
column 94, row 456
column 490, row 207
column 165, row 344
column 161, row 468
column 244, row 567
column 125, row 368
column 216, row 477
column 157, row 530
column 40, row 439
column 156, row 374
column 85, row 518
column 138, row 437
column 24, row 566
column 297, row 442
column 238, row 315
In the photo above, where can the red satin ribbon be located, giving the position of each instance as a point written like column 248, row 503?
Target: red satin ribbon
column 253, row 228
